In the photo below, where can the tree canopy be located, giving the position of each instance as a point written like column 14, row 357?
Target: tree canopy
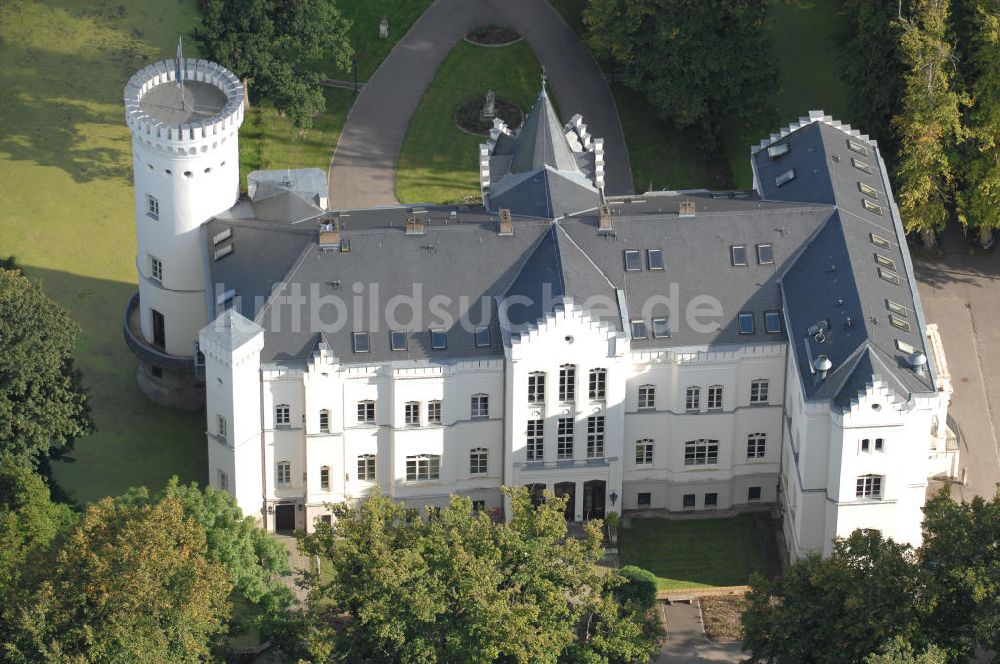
column 276, row 47
column 456, row 587
column 43, row 405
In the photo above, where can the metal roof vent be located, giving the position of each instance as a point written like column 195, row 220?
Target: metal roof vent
column 686, row 209
column 822, row 365
column 917, row 361
column 414, row 225
column 506, row 222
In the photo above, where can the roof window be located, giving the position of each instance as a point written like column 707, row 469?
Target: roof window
column 776, row 151
column 871, row 207
column 880, row 241
column 889, row 276
column 896, row 308
column 439, row 339
column 746, row 323
column 633, row 262
column 222, row 252
column 855, row 146
column 861, row 165
column 639, row 329
column 223, row 236
column 482, row 336
column 362, row 344
column 784, row 178
column 397, row 340
column 899, row 323
column 867, row 190
column 765, row 254
column 885, row 261
column 905, row 347
column 654, row 258
column 772, row 322
column 661, row 328
column 739, row 254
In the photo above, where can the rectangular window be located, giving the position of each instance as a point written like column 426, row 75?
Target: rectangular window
column 897, row 308
column 765, row 254
column 753, row 494
column 220, row 426
column 772, row 322
column 784, row 178
column 879, row 445
column 711, row 500
column 756, row 445
column 223, row 480
column 412, row 413
column 644, row 499
column 867, row 190
column 397, row 339
column 324, row 478
column 366, row 468
column 362, row 344
column 861, row 165
column 633, row 262
column 758, row 390
column 482, row 336
column 284, row 473
column 688, row 501
column 366, row 412
column 870, row 487
column 904, row 347
column 644, row 452
column 478, row 506
column 439, row 339
column 282, row 416
column 638, row 329
column 692, row 402
column 434, row 412
column 535, row 440
column 564, row 438
column 871, row 207
column 738, row 254
column 480, row 406
column 855, row 146
column 536, row 387
column 647, row 397
column 155, row 268
column 899, row 323
column 654, row 258
column 595, row 437
column 746, row 323
column 866, row 445
column 701, row 453
column 152, row 207
column 478, row 461
column 777, row 151
column 879, row 241
column 324, row 421
column 715, row 397
column 598, row 383
column 567, row 382
column 889, row 275
column 661, row 328
column 423, row 467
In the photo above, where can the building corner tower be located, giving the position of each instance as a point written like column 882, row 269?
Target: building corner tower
column 184, row 116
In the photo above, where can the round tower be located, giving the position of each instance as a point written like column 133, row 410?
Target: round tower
column 184, row 115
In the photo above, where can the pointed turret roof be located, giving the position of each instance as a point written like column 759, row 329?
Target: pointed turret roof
column 541, row 141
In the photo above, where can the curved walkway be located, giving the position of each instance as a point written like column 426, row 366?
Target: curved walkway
column 363, row 168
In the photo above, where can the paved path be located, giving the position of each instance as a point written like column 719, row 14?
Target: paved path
column 686, row 640
column 961, row 293
column 363, row 168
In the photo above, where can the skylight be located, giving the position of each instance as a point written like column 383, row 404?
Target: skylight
column 482, row 336
column 889, row 276
column 739, row 254
column 776, row 151
column 633, row 262
column 905, row 347
column 899, row 323
column 855, row 146
column 439, row 339
column 896, row 308
column 880, row 241
column 784, row 178
column 765, row 254
column 361, row 342
column 655, row 259
column 884, row 261
column 397, row 339
column 772, row 322
column 746, row 323
column 661, row 328
column 861, row 165
column 223, row 236
column 223, row 251
column 867, row 190
column 638, row 329
column 871, row 207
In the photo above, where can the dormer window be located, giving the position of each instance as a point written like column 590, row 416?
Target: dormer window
column 784, row 178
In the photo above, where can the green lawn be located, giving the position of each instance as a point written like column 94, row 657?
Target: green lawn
column 364, row 16
column 694, row 553
column 439, row 162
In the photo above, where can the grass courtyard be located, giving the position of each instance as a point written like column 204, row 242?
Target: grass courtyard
column 695, row 553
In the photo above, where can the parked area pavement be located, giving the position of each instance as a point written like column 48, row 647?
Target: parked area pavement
column 961, row 293
column 363, row 168
column 686, row 640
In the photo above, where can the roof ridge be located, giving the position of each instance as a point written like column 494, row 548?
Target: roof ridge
column 586, row 255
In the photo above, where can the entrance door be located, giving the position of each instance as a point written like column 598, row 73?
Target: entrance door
column 284, row 518
column 537, row 493
column 568, row 489
column 159, row 335
column 593, row 499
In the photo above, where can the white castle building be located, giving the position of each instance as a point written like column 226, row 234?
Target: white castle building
column 696, row 350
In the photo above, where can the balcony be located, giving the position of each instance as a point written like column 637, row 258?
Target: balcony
column 597, row 462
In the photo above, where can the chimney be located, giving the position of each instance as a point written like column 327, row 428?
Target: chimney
column 329, row 232
column 822, row 365
column 604, row 222
column 414, row 225
column 687, row 208
column 506, row 223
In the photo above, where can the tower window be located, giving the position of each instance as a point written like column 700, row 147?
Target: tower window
column 156, row 268
column 152, row 207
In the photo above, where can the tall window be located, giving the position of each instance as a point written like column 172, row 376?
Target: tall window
column 434, row 412
column 598, row 383
column 152, row 206
column 536, row 440
column 477, row 461
column 366, row 412
column 595, row 437
column 869, row 486
column 758, row 390
column 701, row 452
column 647, row 396
column 715, row 397
column 567, row 382
column 564, row 438
column 536, row 387
column 282, row 415
column 156, row 268
column 867, row 447
column 324, row 478
column 480, row 406
column 756, row 445
column 284, row 473
column 220, row 424
column 412, row 413
column 324, row 421
column 693, row 399
column 423, row 467
column 644, row 452
column 223, row 480
column 366, row 467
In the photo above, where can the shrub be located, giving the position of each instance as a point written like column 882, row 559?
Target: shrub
column 639, row 588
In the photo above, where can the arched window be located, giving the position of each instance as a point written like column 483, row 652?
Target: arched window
column 282, row 415
column 598, row 383
column 324, row 421
column 284, row 473
column 324, row 478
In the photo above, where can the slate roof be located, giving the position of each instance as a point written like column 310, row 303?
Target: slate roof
column 541, row 141
column 824, row 270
